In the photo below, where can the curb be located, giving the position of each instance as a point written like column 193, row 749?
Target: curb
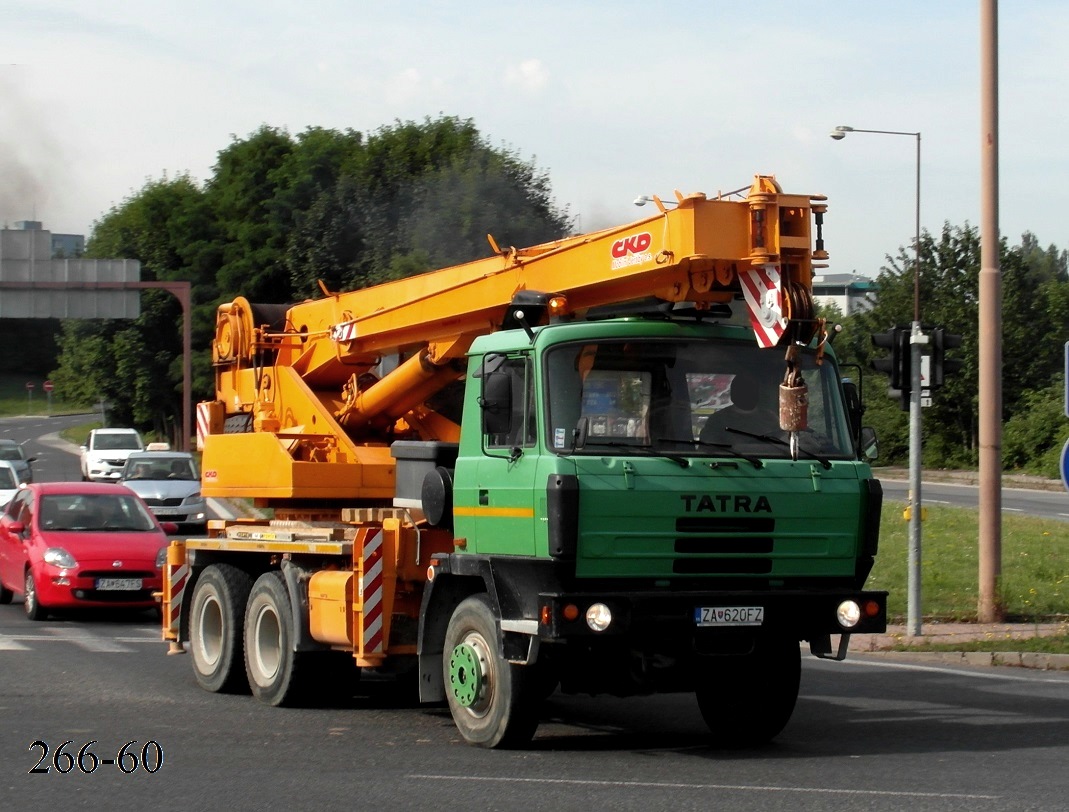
column 1011, row 659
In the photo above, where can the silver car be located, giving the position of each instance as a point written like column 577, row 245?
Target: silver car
column 169, row 484
column 16, row 455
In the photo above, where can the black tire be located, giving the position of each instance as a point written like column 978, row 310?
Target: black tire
column 747, row 701
column 5, row 595
column 30, row 602
column 216, row 615
column 272, row 666
column 493, row 702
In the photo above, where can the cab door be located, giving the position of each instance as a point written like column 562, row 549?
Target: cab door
column 12, row 547
column 505, row 499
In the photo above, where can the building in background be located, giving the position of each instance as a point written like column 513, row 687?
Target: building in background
column 64, row 246
column 847, row 291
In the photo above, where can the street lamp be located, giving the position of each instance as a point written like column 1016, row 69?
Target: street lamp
column 642, row 200
column 917, row 339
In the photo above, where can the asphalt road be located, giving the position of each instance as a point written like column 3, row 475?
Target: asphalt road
column 866, row 735
column 1041, row 504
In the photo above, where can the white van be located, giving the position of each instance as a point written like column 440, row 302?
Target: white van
column 105, row 451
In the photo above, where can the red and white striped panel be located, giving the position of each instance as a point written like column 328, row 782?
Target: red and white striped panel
column 371, row 593
column 178, row 577
column 203, row 424
column 346, row 331
column 763, row 291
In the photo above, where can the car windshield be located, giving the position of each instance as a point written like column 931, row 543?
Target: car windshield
column 115, row 441
column 694, row 397
column 158, row 468
column 11, row 452
column 93, row 512
column 7, row 479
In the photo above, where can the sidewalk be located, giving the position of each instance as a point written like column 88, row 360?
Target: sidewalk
column 880, row 645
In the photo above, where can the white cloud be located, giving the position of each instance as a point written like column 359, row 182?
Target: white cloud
column 530, row 75
column 615, row 103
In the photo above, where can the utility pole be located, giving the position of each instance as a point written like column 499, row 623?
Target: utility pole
column 990, row 609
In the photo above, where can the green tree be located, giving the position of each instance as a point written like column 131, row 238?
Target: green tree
column 1034, row 304
column 281, row 213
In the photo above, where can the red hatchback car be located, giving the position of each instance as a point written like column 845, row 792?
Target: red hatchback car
column 80, row 544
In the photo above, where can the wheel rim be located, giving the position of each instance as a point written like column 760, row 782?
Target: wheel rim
column 210, row 631
column 465, row 675
column 267, row 634
column 30, row 594
column 471, row 674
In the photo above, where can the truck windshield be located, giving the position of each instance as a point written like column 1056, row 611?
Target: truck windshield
column 701, row 398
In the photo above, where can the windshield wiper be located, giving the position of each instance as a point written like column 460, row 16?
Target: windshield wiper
column 645, row 450
column 725, row 449
column 768, row 438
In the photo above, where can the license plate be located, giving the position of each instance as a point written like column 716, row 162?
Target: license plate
column 167, row 511
column 729, row 615
column 118, row 584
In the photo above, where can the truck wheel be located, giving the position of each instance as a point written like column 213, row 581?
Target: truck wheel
column 747, row 701
column 30, row 602
column 270, row 661
column 217, row 612
column 493, row 702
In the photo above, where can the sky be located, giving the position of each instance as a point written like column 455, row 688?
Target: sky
column 612, row 99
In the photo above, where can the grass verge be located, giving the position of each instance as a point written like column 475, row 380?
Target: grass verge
column 1034, row 585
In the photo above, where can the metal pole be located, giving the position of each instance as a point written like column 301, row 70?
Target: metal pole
column 917, row 339
column 989, row 608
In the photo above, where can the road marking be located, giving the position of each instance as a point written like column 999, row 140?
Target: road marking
column 961, row 672
column 739, row 787
column 89, row 642
column 11, row 644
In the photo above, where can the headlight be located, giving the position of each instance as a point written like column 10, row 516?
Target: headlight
column 848, row 614
column 58, row 557
column 161, row 558
column 598, row 617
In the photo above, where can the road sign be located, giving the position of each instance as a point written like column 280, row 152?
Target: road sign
column 1065, row 465
column 29, row 384
column 47, row 386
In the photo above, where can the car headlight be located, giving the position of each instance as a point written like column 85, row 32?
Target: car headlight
column 58, row 557
column 161, row 558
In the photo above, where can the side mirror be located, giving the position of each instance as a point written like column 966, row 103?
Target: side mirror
column 870, row 447
column 854, row 407
column 170, row 528
column 16, row 528
column 497, row 403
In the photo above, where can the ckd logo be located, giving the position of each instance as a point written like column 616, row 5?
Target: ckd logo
column 634, row 244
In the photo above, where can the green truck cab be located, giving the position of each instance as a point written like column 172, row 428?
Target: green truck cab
column 630, row 519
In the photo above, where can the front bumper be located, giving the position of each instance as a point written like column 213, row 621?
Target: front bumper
column 804, row 614
column 66, row 589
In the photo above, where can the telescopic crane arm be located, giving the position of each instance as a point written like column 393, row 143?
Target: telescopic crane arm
column 304, row 374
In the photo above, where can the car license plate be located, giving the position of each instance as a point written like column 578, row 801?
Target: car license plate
column 167, row 511
column 118, row 584
column 729, row 615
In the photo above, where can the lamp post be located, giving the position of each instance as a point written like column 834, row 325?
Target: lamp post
column 917, row 339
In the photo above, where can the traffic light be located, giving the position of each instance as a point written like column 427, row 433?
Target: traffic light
column 897, row 365
column 941, row 365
